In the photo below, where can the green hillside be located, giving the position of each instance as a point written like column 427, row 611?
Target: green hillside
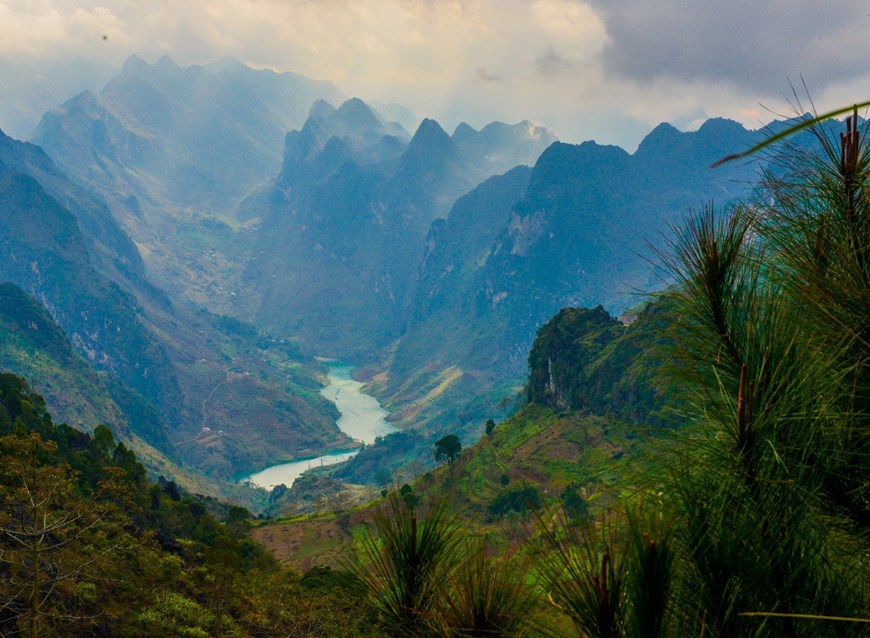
column 33, row 346
column 591, row 454
column 90, row 547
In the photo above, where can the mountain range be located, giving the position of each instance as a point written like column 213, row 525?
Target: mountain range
column 341, row 230
column 578, row 229
column 201, row 233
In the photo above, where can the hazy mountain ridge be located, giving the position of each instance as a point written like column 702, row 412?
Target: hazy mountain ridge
column 176, row 374
column 108, row 245
column 29, row 87
column 172, row 134
column 171, row 148
column 345, row 221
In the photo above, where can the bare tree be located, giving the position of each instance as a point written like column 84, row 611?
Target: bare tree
column 51, row 539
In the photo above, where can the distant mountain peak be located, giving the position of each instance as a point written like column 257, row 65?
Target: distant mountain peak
column 301, row 145
column 134, row 65
column 356, row 114
column 166, row 62
column 463, row 133
column 430, row 132
column 84, row 101
column 496, row 126
column 226, row 63
column 661, row 138
column 720, row 126
column 320, row 108
column 429, row 150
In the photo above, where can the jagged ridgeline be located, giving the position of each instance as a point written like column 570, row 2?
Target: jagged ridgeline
column 576, row 230
column 345, row 222
column 168, row 136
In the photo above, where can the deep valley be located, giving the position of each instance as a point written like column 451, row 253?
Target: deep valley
column 273, row 362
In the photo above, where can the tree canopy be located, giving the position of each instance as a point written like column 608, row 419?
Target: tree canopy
column 447, row 449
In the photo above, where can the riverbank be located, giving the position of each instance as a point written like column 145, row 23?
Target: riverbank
column 362, row 418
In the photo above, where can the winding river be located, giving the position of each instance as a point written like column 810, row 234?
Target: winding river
column 362, row 418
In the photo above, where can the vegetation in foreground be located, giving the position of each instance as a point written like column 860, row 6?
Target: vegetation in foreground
column 88, row 546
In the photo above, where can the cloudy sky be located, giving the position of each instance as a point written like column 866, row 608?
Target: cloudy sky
column 608, row 70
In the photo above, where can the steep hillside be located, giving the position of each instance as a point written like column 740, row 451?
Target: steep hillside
column 341, row 231
column 581, row 233
column 33, row 346
column 590, row 433
column 201, row 388
column 44, row 252
column 109, row 247
column 587, row 361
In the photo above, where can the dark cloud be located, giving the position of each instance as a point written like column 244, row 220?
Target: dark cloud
column 551, row 62
column 752, row 44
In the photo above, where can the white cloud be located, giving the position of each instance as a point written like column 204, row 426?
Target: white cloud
column 605, row 69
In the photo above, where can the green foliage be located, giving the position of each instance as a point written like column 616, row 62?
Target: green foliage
column 374, row 462
column 405, row 567
column 490, row 427
column 521, row 497
column 772, row 346
column 584, row 577
column 89, row 547
column 613, row 578
column 486, row 597
column 447, row 448
column 576, row 507
column 406, row 492
column 51, row 539
column 175, row 614
column 650, row 573
column 425, row 581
